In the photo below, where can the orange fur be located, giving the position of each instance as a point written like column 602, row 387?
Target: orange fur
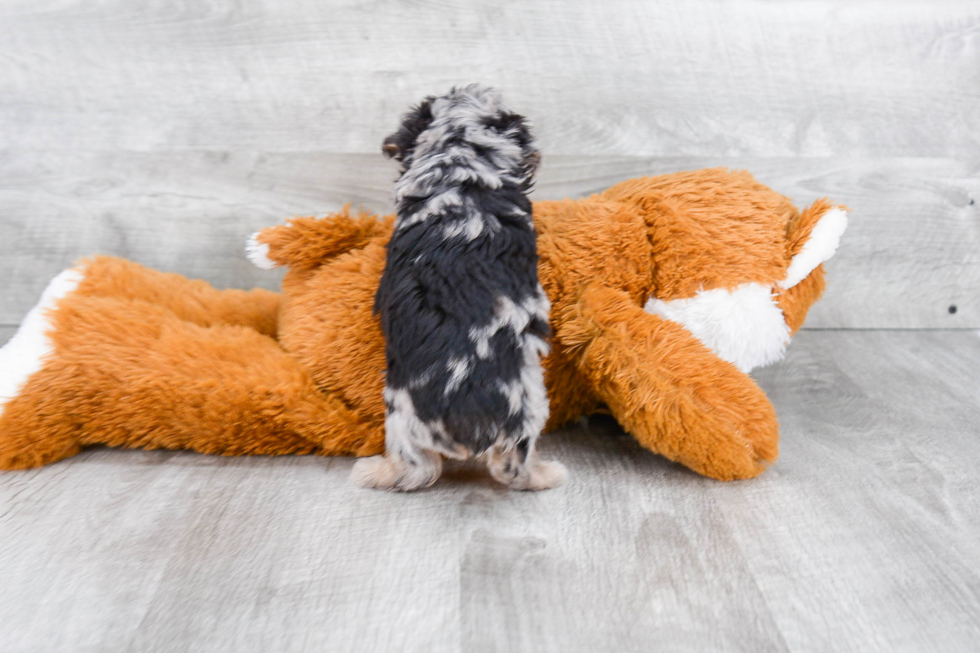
column 129, row 373
column 710, row 229
column 306, row 243
column 188, row 299
column 143, row 359
column 796, row 302
column 668, row 390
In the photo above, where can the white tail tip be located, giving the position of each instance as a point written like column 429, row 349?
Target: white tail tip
column 258, row 253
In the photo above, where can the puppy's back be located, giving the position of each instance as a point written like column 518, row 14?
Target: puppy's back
column 463, row 318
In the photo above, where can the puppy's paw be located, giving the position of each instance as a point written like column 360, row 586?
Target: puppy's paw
column 539, row 475
column 383, row 473
column 375, row 472
column 547, row 474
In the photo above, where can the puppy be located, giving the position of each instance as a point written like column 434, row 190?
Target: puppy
column 464, row 317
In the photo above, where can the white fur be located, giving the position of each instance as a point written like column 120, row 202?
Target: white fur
column 258, row 253
column 470, row 228
column 514, row 392
column 433, row 206
column 409, row 435
column 536, row 406
column 515, row 316
column 24, row 354
column 402, row 423
column 744, row 326
column 821, row 246
column 459, row 370
column 528, row 390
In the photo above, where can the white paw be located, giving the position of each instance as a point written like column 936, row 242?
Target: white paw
column 548, row 474
column 374, row 472
column 383, row 473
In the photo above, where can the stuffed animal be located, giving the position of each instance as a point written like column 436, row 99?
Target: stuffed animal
column 665, row 292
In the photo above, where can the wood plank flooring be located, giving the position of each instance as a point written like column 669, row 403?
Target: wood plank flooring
column 863, row 537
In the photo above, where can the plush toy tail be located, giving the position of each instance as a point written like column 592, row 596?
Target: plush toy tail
column 20, row 360
column 812, row 238
column 305, row 243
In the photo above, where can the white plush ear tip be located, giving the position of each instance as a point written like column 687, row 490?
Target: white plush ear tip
column 822, row 245
column 258, row 253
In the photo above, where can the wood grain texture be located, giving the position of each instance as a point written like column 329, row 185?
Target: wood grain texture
column 168, row 131
column 629, row 77
column 862, row 537
column 911, row 252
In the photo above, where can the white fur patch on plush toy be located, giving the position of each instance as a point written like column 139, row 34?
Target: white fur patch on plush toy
column 821, row 246
column 258, row 253
column 24, row 354
column 743, row 326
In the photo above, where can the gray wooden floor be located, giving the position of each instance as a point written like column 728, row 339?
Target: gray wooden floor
column 863, row 537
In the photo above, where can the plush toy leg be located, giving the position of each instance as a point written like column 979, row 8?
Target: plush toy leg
column 189, row 299
column 131, row 374
column 668, row 390
column 21, row 359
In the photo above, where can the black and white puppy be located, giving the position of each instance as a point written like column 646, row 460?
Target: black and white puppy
column 464, row 317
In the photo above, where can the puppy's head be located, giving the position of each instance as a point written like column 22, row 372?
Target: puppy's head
column 474, row 117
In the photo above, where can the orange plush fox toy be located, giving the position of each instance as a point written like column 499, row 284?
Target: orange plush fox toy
column 665, row 291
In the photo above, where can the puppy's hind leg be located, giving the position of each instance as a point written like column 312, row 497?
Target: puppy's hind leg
column 519, row 468
column 407, row 464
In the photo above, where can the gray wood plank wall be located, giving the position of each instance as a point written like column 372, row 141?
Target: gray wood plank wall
column 167, row 132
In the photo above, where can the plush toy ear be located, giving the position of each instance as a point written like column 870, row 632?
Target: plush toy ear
column 813, row 239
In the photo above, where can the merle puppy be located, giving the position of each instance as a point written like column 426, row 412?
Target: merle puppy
column 464, row 317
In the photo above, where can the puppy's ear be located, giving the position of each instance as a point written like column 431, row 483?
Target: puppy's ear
column 516, row 127
column 390, row 148
column 399, row 145
column 532, row 160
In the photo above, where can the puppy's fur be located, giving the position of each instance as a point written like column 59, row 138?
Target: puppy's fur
column 464, row 317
